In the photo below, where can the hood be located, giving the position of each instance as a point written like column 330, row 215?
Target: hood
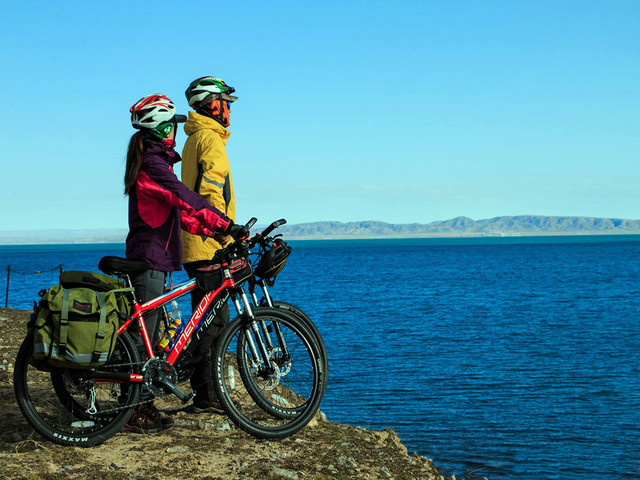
column 197, row 122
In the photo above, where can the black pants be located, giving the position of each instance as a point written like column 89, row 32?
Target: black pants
column 202, row 378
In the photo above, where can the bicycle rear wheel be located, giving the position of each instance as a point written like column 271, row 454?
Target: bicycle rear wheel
column 277, row 398
column 77, row 407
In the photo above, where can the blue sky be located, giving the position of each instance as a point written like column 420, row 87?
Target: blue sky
column 405, row 111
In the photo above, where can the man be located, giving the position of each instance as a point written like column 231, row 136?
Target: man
column 205, row 169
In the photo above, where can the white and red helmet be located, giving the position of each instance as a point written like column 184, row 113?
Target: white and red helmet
column 155, row 113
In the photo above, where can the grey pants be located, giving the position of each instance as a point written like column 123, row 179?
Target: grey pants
column 149, row 285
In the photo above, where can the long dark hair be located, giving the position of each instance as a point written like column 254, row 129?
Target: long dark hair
column 134, row 161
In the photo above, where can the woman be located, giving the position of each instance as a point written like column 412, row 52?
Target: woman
column 159, row 206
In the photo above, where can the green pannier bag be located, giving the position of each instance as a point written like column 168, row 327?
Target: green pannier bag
column 100, row 283
column 76, row 325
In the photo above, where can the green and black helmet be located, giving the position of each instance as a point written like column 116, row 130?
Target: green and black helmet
column 206, row 89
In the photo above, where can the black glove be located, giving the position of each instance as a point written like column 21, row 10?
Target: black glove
column 238, row 232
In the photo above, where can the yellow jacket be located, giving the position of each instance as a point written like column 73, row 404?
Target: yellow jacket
column 205, row 170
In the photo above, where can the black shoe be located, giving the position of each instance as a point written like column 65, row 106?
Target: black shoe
column 208, row 407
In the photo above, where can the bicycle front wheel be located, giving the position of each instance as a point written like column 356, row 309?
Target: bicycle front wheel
column 259, row 389
column 297, row 312
column 78, row 407
column 273, row 398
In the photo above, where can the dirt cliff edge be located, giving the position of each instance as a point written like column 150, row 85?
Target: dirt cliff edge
column 205, row 446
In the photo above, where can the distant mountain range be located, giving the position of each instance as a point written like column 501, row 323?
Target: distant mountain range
column 464, row 226
column 456, row 227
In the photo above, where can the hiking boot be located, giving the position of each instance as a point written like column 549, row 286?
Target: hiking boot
column 208, row 407
column 141, row 422
column 157, row 416
column 211, row 407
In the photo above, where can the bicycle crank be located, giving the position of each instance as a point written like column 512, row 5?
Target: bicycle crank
column 161, row 377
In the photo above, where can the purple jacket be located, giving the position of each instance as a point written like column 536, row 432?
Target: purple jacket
column 159, row 205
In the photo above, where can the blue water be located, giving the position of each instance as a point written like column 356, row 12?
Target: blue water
column 514, row 358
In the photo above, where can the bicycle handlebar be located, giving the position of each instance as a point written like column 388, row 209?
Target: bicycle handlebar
column 243, row 246
column 251, row 223
column 272, row 227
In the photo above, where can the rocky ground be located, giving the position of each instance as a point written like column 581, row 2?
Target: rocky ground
column 204, row 446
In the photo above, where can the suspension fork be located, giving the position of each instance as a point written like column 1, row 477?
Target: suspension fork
column 265, row 293
column 252, row 331
column 263, row 325
column 267, row 297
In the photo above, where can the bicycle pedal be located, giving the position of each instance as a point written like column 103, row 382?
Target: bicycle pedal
column 188, row 397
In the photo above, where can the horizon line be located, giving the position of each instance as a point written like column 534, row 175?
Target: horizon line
column 125, row 229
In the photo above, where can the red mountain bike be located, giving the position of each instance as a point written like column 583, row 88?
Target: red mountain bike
column 270, row 365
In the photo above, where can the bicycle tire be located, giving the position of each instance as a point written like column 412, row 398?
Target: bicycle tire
column 58, row 410
column 294, row 310
column 298, row 382
column 263, row 397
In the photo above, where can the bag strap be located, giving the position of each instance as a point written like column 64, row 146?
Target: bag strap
column 103, row 315
column 101, row 325
column 64, row 323
column 123, row 289
column 121, row 315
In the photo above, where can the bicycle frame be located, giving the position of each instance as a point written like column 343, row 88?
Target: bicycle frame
column 195, row 321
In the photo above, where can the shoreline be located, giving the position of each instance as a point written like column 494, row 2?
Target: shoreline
column 408, row 236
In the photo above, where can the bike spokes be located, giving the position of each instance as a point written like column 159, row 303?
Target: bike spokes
column 276, row 397
column 77, row 407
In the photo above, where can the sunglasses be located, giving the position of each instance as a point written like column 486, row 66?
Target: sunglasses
column 228, row 98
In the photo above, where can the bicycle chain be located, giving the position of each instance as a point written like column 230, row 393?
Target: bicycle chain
column 118, row 409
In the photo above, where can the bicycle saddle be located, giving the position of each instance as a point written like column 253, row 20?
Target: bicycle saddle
column 122, row 266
